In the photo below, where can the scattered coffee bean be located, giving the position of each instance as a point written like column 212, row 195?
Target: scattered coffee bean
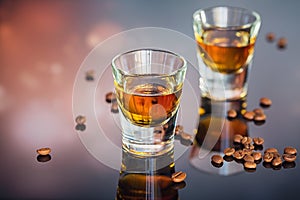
column 247, row 151
column 43, row 158
column 178, row 177
column 114, row 107
column 43, row 151
column 231, row 113
column 282, row 43
column 249, row 146
column 217, row 159
column 276, row 161
column 178, row 130
column 258, row 140
column 256, row 155
column 237, row 138
column 80, row 119
column 110, row 97
column 229, row 151
column 265, row 102
column 289, row 157
column 270, row 37
column 239, row 154
column 250, row 165
column 249, row 115
column 275, row 154
column 260, row 117
column 258, row 111
column 271, row 150
column 246, row 140
column 268, row 157
column 248, row 158
column 89, row 75
column 290, row 150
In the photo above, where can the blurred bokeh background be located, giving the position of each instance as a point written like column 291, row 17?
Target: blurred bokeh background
column 42, row 45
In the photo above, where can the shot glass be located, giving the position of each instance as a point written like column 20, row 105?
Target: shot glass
column 226, row 39
column 148, row 84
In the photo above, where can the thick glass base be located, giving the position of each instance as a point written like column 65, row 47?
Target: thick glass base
column 148, row 141
column 224, row 87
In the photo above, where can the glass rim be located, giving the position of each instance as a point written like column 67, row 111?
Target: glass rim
column 241, row 9
column 182, row 66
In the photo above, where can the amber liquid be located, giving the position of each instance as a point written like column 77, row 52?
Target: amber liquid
column 226, row 51
column 148, row 104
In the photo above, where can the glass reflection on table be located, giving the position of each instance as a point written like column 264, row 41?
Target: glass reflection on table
column 147, row 177
column 210, row 140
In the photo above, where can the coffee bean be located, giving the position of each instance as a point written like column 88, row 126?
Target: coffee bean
column 239, row 154
column 229, row 151
column 271, row 150
column 246, row 140
column 89, row 75
column 275, row 154
column 256, row 155
column 178, row 177
column 247, row 151
column 43, row 151
column 265, row 102
column 178, row 130
column 114, row 107
column 110, row 97
column 258, row 111
column 237, row 138
column 217, row 159
column 276, row 161
column 258, row 140
column 260, row 117
column 268, row 157
column 80, row 119
column 282, row 43
column 231, row 114
column 270, row 37
column 249, row 115
column 250, row 165
column 290, row 150
column 289, row 157
column 248, row 158
column 249, row 146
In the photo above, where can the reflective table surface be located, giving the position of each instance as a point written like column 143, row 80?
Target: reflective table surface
column 42, row 46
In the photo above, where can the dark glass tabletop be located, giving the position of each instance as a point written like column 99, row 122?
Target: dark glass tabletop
column 42, row 46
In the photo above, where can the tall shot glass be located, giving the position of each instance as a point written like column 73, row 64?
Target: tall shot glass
column 148, row 84
column 226, row 38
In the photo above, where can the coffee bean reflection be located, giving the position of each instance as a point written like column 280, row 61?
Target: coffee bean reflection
column 228, row 158
column 43, row 158
column 80, row 127
column 288, row 165
column 267, row 165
